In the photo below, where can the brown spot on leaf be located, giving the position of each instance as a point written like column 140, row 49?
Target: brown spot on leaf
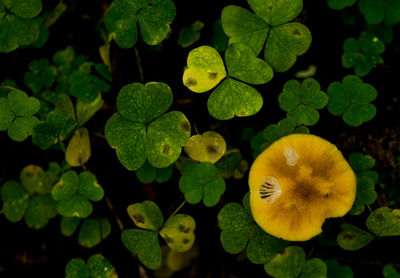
column 211, row 149
column 138, row 218
column 296, row 32
column 168, row 239
column 185, row 241
column 212, row 75
column 190, row 82
column 166, row 148
column 183, row 229
column 185, row 126
column 348, row 235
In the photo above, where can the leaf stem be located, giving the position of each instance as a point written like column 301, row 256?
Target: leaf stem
column 181, row 205
column 139, row 64
column 8, row 87
column 111, row 207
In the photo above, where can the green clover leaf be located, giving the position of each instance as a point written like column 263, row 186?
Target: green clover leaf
column 189, row 35
column 74, row 193
column 148, row 173
column 93, row 231
column 236, row 225
column 41, row 75
column 287, row 263
column 76, row 268
column 284, row 41
column 362, row 54
column 85, row 85
column 314, row 268
column 340, row 4
column 69, row 225
column 15, row 200
column 351, row 99
column 145, row 244
column 337, row 271
column 384, row 222
column 219, row 39
column 178, row 232
column 199, row 181
column 153, row 17
column 390, row 272
column 302, row 101
column 16, row 24
column 100, row 267
column 146, row 215
column 352, row 238
column 41, row 208
column 16, row 114
column 377, row 11
column 49, row 132
column 137, row 131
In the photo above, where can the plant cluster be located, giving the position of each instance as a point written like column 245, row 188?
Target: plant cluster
column 53, row 104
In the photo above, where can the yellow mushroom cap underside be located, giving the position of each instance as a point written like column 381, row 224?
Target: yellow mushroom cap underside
column 298, row 182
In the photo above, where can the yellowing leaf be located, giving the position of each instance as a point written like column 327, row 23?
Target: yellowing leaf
column 78, row 150
column 210, row 146
column 178, row 232
column 205, row 69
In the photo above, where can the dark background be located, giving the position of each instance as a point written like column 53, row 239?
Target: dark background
column 45, row 252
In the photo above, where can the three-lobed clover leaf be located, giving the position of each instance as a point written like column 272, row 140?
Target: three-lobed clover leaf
column 351, row 99
column 205, row 70
column 284, row 41
column 301, row 101
column 51, row 131
column 340, row 4
column 74, row 193
column 375, row 12
column 41, row 75
column 93, row 231
column 140, row 130
column 152, row 16
column 17, row 26
column 96, row 267
column 16, row 114
column 384, row 222
column 352, row 238
column 366, row 180
column 199, row 181
column 363, row 54
column 177, row 231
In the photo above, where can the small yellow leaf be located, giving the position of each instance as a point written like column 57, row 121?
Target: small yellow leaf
column 178, row 232
column 210, row 146
column 78, row 150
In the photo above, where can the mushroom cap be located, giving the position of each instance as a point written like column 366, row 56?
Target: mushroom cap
column 298, row 182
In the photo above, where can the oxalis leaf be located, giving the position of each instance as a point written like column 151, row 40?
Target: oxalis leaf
column 352, row 238
column 209, row 146
column 351, row 99
column 199, row 181
column 145, row 244
column 378, row 11
column 146, row 215
column 314, row 268
column 384, row 222
column 231, row 98
column 16, row 24
column 287, row 263
column 178, row 232
column 137, row 131
column 284, row 41
column 302, row 101
column 93, row 231
column 152, row 16
column 41, row 208
column 15, row 200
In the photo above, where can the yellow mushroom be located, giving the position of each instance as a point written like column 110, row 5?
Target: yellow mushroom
column 298, row 182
